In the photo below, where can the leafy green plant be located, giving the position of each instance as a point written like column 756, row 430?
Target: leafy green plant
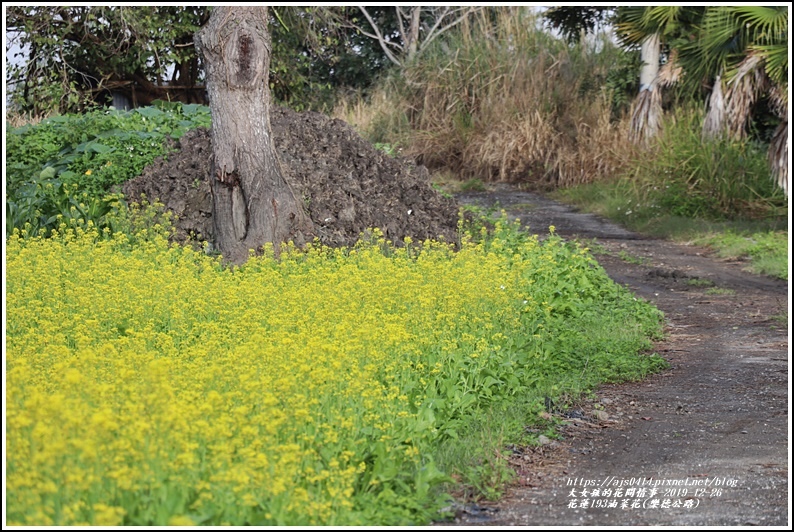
column 388, row 149
column 66, row 165
column 440, row 189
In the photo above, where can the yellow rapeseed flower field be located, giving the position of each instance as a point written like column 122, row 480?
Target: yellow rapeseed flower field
column 148, row 385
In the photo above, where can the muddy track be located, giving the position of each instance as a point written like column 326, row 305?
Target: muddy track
column 710, row 434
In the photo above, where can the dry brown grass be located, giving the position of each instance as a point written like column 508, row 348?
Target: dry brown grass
column 502, row 101
column 601, row 151
column 15, row 119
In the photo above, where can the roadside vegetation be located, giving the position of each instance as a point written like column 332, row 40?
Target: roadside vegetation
column 702, row 192
column 67, row 167
column 524, row 107
column 275, row 399
column 332, row 386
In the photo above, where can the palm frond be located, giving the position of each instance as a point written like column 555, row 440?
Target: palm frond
column 713, row 124
column 660, row 19
column 646, row 115
column 722, row 39
column 746, row 84
column 631, row 28
column 776, row 61
column 764, row 25
column 778, row 156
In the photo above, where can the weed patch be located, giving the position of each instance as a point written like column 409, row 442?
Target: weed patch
column 767, row 252
column 698, row 282
column 632, row 259
column 717, row 291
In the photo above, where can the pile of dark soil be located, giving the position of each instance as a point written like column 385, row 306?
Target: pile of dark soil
column 346, row 184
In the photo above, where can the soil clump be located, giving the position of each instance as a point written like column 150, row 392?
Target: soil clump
column 347, row 186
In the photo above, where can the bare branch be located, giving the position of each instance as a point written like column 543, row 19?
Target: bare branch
column 431, row 36
column 379, row 37
column 439, row 20
column 415, row 34
column 401, row 28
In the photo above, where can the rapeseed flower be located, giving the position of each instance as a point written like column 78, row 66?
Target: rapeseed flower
column 149, row 385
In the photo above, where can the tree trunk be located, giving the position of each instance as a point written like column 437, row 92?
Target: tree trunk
column 650, row 51
column 412, row 46
column 646, row 114
column 252, row 203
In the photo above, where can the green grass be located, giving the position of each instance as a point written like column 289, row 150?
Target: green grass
column 763, row 243
column 717, row 291
column 767, row 252
column 633, row 259
column 698, row 282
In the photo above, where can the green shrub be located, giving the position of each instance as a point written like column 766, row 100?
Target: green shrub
column 687, row 176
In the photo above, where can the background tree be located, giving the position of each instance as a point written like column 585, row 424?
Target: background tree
column 73, row 56
column 252, row 202
column 317, row 55
column 573, row 22
column 70, row 58
column 410, row 30
column 741, row 52
column 657, row 30
column 749, row 46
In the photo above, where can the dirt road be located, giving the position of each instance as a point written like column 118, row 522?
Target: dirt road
column 710, row 435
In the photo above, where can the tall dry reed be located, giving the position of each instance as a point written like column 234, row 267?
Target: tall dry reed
column 502, row 100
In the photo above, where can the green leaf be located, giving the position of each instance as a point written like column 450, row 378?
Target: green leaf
column 47, row 173
column 98, row 148
column 149, row 112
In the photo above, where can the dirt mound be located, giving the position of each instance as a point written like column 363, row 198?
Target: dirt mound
column 346, row 184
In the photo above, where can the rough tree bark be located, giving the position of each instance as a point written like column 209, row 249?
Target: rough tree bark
column 252, row 202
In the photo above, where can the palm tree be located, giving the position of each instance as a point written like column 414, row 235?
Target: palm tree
column 749, row 45
column 655, row 29
column 741, row 50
